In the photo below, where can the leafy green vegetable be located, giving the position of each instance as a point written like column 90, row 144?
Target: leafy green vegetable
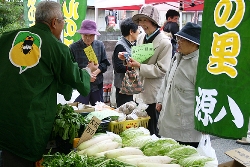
column 156, row 147
column 113, row 163
column 102, row 114
column 181, row 152
column 133, row 132
column 132, row 135
column 194, row 161
column 69, row 160
column 138, row 141
column 166, row 148
column 67, row 122
column 74, row 160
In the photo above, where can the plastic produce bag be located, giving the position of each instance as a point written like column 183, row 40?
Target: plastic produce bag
column 205, row 148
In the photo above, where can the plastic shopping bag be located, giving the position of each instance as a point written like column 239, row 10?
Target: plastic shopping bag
column 205, row 148
column 113, row 96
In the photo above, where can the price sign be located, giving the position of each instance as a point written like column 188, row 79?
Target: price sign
column 89, row 130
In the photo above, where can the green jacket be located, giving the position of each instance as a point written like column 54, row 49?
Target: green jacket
column 34, row 66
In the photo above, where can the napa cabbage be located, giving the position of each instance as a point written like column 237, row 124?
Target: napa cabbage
column 194, row 161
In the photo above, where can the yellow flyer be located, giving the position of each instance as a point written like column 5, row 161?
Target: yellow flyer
column 91, row 54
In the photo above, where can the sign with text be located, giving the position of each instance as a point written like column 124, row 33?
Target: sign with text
column 89, row 130
column 29, row 11
column 74, row 12
column 142, row 52
column 90, row 53
column 222, row 83
column 240, row 155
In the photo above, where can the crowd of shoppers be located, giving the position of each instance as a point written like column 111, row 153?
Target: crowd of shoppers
column 36, row 66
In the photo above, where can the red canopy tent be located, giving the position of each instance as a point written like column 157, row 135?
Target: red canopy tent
column 187, row 5
column 182, row 5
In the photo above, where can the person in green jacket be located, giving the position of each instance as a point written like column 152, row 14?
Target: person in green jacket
column 34, row 66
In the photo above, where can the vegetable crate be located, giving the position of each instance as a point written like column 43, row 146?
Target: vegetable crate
column 118, row 127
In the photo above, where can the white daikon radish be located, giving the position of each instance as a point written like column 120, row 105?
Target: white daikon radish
column 125, row 157
column 81, row 152
column 93, row 141
column 150, row 159
column 144, row 164
column 123, row 151
column 101, row 154
column 101, row 146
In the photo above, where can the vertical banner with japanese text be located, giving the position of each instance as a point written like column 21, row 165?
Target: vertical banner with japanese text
column 74, row 12
column 223, row 74
column 29, row 11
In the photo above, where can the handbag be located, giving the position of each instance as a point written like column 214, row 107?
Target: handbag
column 131, row 83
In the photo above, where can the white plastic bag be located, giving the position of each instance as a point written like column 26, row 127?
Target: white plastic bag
column 113, row 96
column 205, row 148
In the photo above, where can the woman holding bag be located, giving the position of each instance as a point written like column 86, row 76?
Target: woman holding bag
column 130, row 33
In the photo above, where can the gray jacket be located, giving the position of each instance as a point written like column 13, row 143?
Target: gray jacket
column 177, row 95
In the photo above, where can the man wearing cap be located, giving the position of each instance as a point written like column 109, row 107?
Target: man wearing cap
column 88, row 31
column 177, row 93
column 153, row 70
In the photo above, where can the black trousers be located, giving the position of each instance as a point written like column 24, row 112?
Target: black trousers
column 11, row 160
column 154, row 115
column 122, row 98
column 193, row 144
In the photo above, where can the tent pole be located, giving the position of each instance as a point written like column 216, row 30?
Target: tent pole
column 96, row 18
column 180, row 20
column 180, row 11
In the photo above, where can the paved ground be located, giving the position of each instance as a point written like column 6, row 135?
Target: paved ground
column 222, row 145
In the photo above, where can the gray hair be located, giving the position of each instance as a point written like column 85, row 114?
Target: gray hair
column 47, row 10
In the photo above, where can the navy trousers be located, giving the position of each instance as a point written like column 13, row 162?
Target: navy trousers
column 91, row 98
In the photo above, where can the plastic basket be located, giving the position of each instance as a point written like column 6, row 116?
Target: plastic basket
column 118, row 127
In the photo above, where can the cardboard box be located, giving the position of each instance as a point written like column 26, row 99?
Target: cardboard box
column 240, row 156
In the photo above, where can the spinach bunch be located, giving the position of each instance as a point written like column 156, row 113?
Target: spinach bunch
column 59, row 159
column 67, row 123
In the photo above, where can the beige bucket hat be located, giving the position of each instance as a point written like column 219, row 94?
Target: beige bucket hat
column 148, row 11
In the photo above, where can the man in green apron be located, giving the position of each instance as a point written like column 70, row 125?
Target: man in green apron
column 34, row 66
